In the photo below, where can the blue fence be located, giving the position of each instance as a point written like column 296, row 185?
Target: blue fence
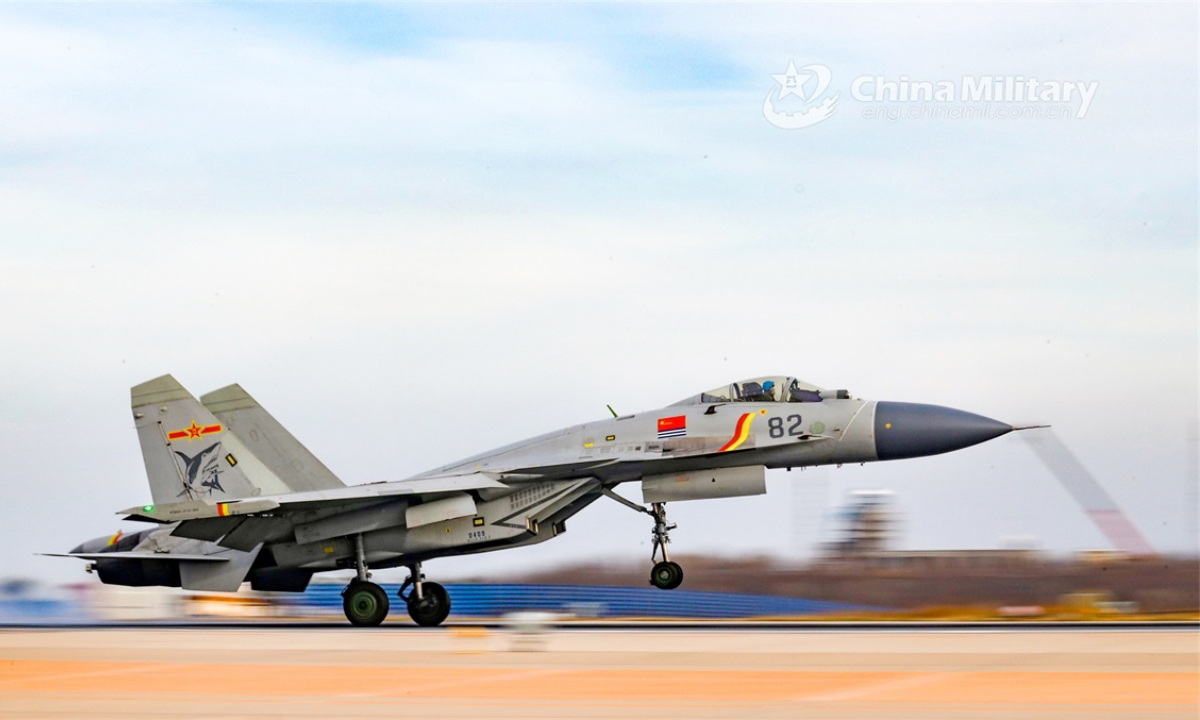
column 470, row 600
column 35, row 610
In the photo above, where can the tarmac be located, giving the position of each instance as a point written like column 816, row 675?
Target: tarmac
column 693, row 672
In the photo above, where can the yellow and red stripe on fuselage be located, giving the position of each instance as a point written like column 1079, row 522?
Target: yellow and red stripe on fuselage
column 740, row 433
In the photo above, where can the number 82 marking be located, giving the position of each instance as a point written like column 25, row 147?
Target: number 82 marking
column 775, row 426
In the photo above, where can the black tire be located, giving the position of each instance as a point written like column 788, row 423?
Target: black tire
column 365, row 604
column 666, row 576
column 432, row 608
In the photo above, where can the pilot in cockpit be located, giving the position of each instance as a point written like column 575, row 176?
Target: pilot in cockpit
column 768, row 393
column 753, row 392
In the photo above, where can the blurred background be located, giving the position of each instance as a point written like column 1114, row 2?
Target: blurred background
column 417, row 232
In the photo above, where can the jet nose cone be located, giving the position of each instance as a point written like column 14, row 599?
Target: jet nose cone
column 906, row 430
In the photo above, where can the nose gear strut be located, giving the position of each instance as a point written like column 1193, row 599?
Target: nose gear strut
column 665, row 575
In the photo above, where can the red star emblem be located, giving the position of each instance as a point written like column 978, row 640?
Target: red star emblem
column 194, row 432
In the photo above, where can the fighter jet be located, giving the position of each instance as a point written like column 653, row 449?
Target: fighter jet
column 236, row 498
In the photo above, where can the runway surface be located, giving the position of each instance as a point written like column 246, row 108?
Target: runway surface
column 593, row 673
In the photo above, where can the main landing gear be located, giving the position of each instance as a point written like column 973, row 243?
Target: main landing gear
column 366, row 604
column 428, row 602
column 665, row 575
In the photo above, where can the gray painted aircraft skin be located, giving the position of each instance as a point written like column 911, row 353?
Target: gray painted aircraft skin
column 237, row 498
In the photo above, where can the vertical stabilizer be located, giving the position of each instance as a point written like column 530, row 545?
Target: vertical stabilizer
column 187, row 451
column 271, row 443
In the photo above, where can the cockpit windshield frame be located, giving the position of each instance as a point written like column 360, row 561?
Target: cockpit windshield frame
column 766, row 389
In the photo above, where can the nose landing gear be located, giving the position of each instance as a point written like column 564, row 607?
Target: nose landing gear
column 665, row 575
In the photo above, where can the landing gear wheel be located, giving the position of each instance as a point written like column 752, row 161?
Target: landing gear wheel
column 432, row 608
column 666, row 575
column 365, row 603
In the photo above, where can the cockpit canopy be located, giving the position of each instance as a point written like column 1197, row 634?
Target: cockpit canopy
column 771, row 388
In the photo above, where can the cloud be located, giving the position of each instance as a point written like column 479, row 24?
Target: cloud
column 416, row 233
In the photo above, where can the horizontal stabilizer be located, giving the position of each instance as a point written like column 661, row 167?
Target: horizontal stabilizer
column 194, row 509
column 131, row 555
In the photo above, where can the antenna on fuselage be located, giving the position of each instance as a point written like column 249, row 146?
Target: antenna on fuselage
column 614, row 412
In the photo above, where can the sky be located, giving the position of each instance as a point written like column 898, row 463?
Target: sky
column 418, row 231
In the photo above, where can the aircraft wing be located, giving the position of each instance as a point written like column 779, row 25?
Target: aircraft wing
column 422, row 486
column 133, row 555
column 353, row 495
column 247, row 523
column 521, row 473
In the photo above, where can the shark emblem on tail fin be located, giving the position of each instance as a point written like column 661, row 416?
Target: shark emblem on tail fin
column 203, row 462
